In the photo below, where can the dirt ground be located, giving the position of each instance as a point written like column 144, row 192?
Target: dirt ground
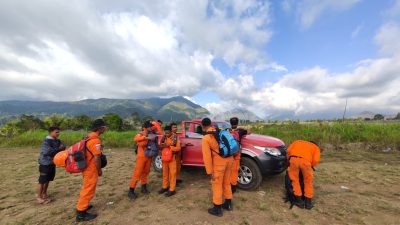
column 352, row 187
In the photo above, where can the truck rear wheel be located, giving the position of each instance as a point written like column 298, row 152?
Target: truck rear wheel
column 157, row 163
column 250, row 176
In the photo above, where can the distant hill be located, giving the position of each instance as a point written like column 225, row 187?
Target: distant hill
column 175, row 108
column 242, row 114
column 364, row 115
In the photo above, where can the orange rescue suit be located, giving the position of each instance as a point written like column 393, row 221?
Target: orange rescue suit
column 217, row 166
column 90, row 174
column 169, row 168
column 143, row 163
column 303, row 156
column 236, row 162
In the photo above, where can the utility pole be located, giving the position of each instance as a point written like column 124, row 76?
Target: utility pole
column 345, row 109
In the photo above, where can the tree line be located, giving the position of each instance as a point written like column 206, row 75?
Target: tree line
column 81, row 122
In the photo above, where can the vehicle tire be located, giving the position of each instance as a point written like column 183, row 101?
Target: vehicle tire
column 157, row 163
column 250, row 176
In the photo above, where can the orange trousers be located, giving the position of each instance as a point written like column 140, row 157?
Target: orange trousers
column 141, row 171
column 221, row 183
column 169, row 174
column 90, row 178
column 178, row 158
column 296, row 166
column 235, row 171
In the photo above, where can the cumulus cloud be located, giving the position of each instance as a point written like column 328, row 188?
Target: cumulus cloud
column 72, row 50
column 372, row 84
column 309, row 11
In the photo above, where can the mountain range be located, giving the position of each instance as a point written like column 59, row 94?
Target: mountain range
column 242, row 114
column 175, row 108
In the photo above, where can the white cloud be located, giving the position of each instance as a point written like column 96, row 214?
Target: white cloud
column 127, row 49
column 388, row 39
column 309, row 11
column 316, row 92
column 357, row 31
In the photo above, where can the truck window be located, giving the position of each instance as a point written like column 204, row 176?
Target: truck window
column 197, row 130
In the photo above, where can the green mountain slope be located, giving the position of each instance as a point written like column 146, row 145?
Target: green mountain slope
column 177, row 108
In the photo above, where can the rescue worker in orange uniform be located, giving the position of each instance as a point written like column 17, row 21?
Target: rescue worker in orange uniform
column 218, row 168
column 143, row 163
column 303, row 156
column 170, row 140
column 91, row 173
column 178, row 156
column 157, row 127
column 238, row 133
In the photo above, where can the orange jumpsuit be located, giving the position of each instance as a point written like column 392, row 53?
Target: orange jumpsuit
column 236, row 162
column 169, row 168
column 90, row 174
column 219, row 167
column 143, row 163
column 156, row 127
column 303, row 155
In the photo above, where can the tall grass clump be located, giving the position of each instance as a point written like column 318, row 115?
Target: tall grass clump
column 111, row 139
column 334, row 133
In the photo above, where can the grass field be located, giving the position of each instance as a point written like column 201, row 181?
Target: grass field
column 384, row 134
column 353, row 186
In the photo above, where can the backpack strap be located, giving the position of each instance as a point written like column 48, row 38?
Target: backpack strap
column 175, row 140
column 86, row 141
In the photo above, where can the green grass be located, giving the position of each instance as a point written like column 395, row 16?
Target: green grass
column 334, row 133
column 111, row 139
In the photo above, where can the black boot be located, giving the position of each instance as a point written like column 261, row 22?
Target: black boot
column 216, row 210
column 227, row 205
column 308, row 203
column 82, row 216
column 299, row 202
column 144, row 189
column 131, row 194
column 162, row 191
column 233, row 187
column 170, row 193
column 89, row 207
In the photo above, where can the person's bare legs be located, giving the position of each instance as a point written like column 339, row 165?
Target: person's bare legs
column 44, row 193
column 39, row 196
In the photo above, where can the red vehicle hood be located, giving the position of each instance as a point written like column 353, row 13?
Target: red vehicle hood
column 262, row 140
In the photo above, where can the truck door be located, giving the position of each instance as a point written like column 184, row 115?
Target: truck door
column 191, row 153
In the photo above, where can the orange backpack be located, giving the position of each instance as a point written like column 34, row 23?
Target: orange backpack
column 166, row 153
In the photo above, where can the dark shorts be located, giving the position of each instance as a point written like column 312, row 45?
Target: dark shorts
column 47, row 173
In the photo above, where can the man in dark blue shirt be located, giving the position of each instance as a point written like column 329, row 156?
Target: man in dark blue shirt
column 51, row 145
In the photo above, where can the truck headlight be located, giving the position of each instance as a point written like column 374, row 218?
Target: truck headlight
column 271, row 151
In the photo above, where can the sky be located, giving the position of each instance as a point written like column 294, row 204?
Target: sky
column 297, row 59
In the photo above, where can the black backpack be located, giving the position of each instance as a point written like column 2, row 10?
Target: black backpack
column 289, row 193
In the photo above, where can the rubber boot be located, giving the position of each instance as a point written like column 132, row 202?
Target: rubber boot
column 82, row 216
column 299, row 202
column 162, row 191
column 170, row 193
column 233, row 187
column 131, row 194
column 144, row 190
column 227, row 205
column 215, row 211
column 308, row 203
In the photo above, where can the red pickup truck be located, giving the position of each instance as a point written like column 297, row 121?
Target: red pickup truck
column 261, row 155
